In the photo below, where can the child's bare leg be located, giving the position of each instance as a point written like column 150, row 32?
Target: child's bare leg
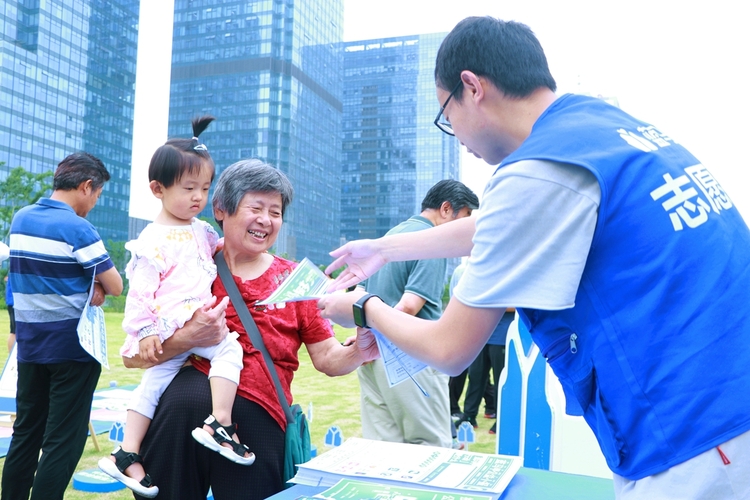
column 223, row 392
column 136, row 426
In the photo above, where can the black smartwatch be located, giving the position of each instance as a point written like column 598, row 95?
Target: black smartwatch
column 358, row 309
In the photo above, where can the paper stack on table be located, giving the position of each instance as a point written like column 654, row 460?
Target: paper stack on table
column 427, row 467
column 347, row 489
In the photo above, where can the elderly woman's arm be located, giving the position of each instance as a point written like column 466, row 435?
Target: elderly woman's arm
column 207, row 327
column 333, row 359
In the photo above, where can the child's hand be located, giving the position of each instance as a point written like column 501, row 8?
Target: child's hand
column 149, row 347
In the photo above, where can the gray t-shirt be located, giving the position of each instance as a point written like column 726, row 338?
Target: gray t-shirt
column 424, row 278
column 533, row 235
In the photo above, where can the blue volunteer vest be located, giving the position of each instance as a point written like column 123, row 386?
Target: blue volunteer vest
column 655, row 354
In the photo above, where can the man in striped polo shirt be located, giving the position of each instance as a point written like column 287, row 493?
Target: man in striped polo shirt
column 56, row 257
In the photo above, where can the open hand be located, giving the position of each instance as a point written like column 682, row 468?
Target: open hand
column 362, row 259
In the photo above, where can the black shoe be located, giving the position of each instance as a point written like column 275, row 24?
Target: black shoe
column 464, row 418
column 457, row 418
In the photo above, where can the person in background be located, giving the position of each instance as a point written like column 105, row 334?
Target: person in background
column 56, row 257
column 4, row 254
column 625, row 258
column 402, row 413
column 11, row 314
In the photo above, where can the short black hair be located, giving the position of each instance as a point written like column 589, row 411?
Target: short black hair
column 77, row 168
column 505, row 52
column 179, row 156
column 454, row 192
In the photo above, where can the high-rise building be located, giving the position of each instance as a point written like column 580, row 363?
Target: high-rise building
column 392, row 151
column 67, row 70
column 270, row 72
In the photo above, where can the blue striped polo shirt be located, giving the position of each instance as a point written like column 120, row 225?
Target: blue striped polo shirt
column 54, row 255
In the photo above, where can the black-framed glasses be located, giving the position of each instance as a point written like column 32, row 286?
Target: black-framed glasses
column 444, row 125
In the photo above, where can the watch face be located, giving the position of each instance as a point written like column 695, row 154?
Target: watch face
column 359, row 315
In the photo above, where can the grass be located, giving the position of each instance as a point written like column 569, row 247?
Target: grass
column 335, row 402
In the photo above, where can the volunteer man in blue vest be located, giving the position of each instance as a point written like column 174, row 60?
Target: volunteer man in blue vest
column 627, row 261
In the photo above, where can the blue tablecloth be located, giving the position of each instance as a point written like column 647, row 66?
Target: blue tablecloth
column 527, row 484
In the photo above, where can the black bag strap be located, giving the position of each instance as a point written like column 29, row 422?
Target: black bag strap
column 251, row 328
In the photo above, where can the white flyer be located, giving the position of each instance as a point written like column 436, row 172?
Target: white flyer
column 92, row 332
column 306, row 282
column 399, row 366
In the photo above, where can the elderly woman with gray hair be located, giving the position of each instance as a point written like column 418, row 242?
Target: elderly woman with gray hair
column 249, row 203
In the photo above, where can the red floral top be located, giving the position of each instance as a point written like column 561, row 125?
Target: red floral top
column 284, row 327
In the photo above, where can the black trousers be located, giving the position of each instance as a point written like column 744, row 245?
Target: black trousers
column 53, row 408
column 456, row 388
column 184, row 470
column 491, row 357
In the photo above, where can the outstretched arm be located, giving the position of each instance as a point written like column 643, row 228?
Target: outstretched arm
column 333, row 359
column 449, row 344
column 364, row 257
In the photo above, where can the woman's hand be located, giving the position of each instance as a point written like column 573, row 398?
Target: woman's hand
column 206, row 328
column 367, row 345
column 334, row 359
column 362, row 259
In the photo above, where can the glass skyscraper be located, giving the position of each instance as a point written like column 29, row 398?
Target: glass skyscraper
column 67, row 70
column 392, row 151
column 270, row 72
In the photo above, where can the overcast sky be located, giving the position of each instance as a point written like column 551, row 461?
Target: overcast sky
column 681, row 65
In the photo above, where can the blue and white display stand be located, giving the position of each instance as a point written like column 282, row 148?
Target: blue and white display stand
column 531, row 419
column 334, row 437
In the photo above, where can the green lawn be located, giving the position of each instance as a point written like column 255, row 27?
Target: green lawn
column 335, row 402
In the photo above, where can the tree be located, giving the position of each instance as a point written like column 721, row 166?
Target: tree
column 19, row 189
column 119, row 256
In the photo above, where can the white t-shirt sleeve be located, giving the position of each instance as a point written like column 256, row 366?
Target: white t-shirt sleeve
column 533, row 235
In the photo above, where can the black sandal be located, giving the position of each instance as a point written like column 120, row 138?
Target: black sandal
column 223, row 434
column 116, row 469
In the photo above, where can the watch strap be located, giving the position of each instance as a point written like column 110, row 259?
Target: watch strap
column 358, row 310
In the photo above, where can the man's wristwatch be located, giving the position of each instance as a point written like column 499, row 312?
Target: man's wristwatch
column 358, row 308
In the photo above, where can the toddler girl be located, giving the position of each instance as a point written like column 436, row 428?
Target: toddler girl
column 170, row 273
